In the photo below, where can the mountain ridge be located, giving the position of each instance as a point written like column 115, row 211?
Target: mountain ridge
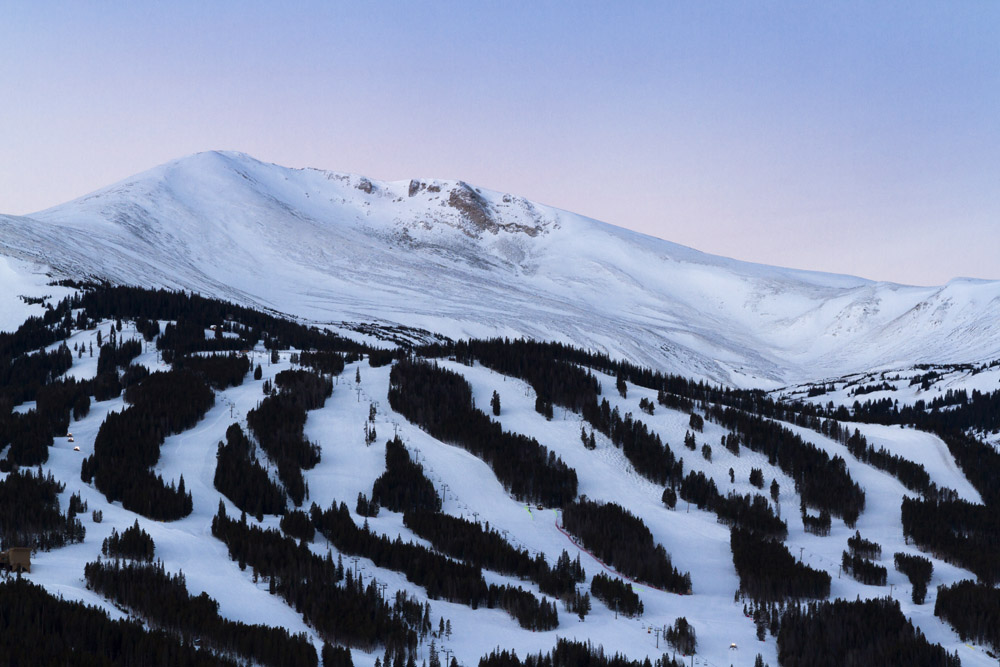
column 445, row 256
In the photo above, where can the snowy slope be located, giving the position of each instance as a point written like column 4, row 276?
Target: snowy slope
column 695, row 540
column 451, row 258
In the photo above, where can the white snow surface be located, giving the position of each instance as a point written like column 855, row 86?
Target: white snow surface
column 696, row 542
column 445, row 256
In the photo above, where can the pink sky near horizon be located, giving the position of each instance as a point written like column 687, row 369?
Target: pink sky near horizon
column 845, row 137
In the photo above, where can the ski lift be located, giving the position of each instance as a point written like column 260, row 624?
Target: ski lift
column 734, row 647
column 76, row 449
column 71, row 439
column 69, row 435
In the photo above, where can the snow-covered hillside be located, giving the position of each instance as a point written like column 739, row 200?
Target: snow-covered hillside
column 451, row 258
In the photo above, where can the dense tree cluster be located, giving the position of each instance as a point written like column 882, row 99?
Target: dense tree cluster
column 651, row 457
column 128, row 444
column 918, row 570
column 340, row 606
column 132, row 543
column 972, row 609
column 279, row 421
column 440, row 402
column 957, row 531
column 568, row 653
column 855, row 634
column 681, row 636
column 616, row 594
column 323, row 361
column 117, row 354
column 817, row 525
column 442, row 577
column 487, row 549
column 162, row 599
column 623, row 541
column 748, row 512
column 913, row 475
column 240, row 477
column 403, row 486
column 863, row 569
column 823, row 483
column 29, row 513
column 299, row 525
column 769, row 573
column 220, row 371
column 859, row 546
column 40, row 630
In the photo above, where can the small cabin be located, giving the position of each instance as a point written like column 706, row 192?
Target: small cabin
column 16, row 559
column 76, row 449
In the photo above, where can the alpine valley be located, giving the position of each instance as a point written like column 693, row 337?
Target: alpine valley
column 271, row 416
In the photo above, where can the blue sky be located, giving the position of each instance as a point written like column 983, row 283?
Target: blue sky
column 854, row 137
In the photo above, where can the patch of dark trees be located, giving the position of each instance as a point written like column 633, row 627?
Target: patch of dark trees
column 200, row 313
column 565, row 384
column 115, row 355
column 769, row 573
column 863, row 632
column 569, row 653
column 956, row 531
column 859, row 546
column 128, row 444
column 863, row 569
column 29, row 512
column 918, row 570
column 163, row 601
column 299, row 525
column 323, row 361
column 440, row 402
column 622, row 541
column 616, row 594
column 817, row 525
column 279, row 421
column 487, row 549
column 220, row 371
column 823, row 483
column 648, row 454
column 133, row 543
column 682, row 637
column 752, row 513
column 912, row 475
column 973, row 610
column 440, row 576
column 240, row 477
column 22, row 376
column 43, row 631
column 403, row 486
column 340, row 606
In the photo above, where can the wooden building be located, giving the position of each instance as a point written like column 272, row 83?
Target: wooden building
column 17, row 559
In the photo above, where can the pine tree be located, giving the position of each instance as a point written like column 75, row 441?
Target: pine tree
column 495, row 403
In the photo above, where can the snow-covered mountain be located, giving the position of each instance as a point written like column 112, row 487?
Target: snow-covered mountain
column 447, row 257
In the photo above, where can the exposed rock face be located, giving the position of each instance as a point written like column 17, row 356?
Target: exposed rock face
column 473, row 207
column 365, row 186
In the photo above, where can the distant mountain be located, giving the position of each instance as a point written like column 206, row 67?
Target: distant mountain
column 451, row 258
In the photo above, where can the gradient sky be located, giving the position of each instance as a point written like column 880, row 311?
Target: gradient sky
column 852, row 137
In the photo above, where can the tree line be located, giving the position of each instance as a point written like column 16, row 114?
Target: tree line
column 622, row 541
column 855, row 634
column 440, row 576
column 752, row 513
column 128, row 444
column 278, row 424
column 342, row 607
column 40, row 630
column 769, row 573
column 163, row 601
column 29, row 512
column 440, row 402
